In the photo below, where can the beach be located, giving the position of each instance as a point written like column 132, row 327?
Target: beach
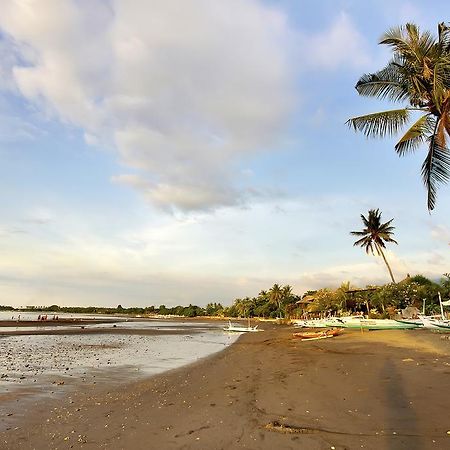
column 373, row 390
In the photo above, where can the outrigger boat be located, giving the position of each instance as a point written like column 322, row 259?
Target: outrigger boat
column 356, row 322
column 241, row 328
column 309, row 323
column 434, row 322
column 382, row 324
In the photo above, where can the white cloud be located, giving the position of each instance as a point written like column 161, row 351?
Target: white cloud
column 340, row 45
column 181, row 91
column 440, row 232
column 80, row 257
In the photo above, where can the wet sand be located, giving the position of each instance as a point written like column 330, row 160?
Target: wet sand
column 55, row 322
column 377, row 390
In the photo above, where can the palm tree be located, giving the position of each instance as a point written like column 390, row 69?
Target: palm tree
column 276, row 295
column 375, row 234
column 418, row 74
column 287, row 292
column 342, row 295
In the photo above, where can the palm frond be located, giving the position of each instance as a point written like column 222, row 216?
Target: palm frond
column 361, row 241
column 445, row 117
column 365, row 243
column 387, row 83
column 358, row 233
column 425, row 44
column 441, row 81
column 444, row 37
column 435, row 170
column 380, row 124
column 403, row 40
column 415, row 136
column 395, row 37
column 408, row 40
column 365, row 221
column 385, row 237
column 441, row 138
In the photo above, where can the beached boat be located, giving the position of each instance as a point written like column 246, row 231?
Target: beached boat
column 314, row 335
column 434, row 322
column 416, row 322
column 383, row 324
column 241, row 328
column 372, row 324
column 343, row 321
column 309, row 323
column 358, row 322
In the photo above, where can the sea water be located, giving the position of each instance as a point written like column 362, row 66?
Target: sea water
column 51, row 364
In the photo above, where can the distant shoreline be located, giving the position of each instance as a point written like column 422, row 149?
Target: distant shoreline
column 71, row 326
column 53, row 322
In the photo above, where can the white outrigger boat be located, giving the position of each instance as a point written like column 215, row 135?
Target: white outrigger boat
column 377, row 324
column 241, row 328
column 309, row 323
column 434, row 322
column 356, row 322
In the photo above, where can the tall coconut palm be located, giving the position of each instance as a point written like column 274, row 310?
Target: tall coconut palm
column 419, row 75
column 375, row 234
column 276, row 295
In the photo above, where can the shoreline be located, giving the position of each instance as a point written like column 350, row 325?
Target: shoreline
column 87, row 326
column 378, row 390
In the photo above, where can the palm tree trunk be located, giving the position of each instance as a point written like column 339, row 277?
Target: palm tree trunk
column 380, row 250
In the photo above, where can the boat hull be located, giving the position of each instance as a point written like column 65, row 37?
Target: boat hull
column 314, row 335
column 381, row 324
column 241, row 329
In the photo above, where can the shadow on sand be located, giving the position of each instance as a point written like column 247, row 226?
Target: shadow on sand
column 401, row 417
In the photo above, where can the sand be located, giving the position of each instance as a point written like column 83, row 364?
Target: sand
column 376, row 390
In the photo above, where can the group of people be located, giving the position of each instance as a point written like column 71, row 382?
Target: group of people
column 40, row 317
column 45, row 317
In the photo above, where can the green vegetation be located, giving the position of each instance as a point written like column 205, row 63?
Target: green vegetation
column 6, row 308
column 279, row 301
column 375, row 234
column 186, row 311
column 417, row 74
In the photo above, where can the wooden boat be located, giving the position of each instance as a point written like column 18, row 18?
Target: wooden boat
column 314, row 335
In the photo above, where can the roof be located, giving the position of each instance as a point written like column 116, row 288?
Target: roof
column 306, row 300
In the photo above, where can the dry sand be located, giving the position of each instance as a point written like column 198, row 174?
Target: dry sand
column 377, row 390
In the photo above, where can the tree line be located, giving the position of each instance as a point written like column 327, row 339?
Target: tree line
column 280, row 302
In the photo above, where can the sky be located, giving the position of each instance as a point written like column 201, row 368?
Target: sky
column 171, row 152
